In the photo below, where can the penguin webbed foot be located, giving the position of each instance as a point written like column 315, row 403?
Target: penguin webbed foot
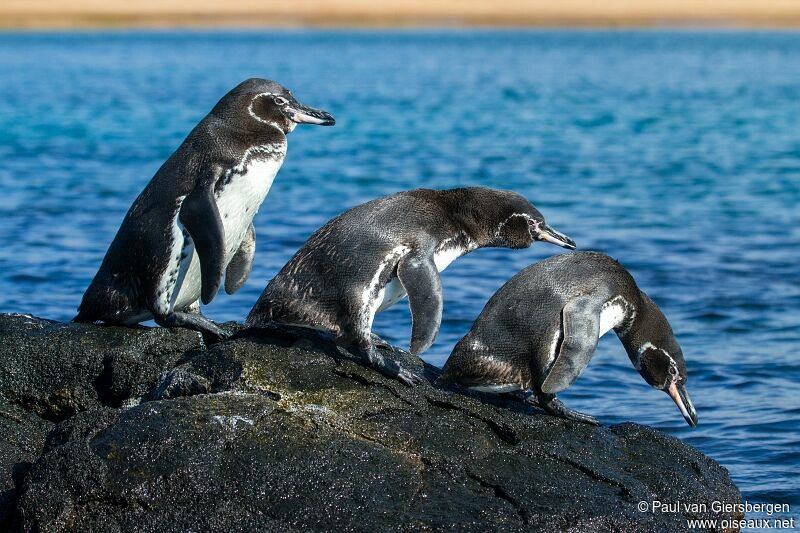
column 380, row 342
column 211, row 332
column 556, row 407
column 524, row 396
column 387, row 367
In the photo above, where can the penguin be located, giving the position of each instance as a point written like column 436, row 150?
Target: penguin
column 344, row 273
column 538, row 332
column 192, row 223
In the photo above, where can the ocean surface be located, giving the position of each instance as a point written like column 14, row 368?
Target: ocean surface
column 678, row 153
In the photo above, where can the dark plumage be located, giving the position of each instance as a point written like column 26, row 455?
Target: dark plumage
column 539, row 331
column 338, row 280
column 193, row 220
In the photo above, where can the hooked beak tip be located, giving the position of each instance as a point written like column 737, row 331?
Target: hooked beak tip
column 312, row 116
column 684, row 403
column 548, row 234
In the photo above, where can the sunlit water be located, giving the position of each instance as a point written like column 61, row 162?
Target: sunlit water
column 677, row 153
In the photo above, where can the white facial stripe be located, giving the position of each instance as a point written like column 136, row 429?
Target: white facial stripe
column 253, row 113
column 673, row 376
column 503, row 223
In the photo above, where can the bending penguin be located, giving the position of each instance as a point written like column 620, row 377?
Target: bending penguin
column 539, row 330
column 193, row 222
column 371, row 256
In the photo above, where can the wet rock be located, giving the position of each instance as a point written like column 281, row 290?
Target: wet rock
column 263, row 432
column 22, row 436
column 56, row 369
column 176, row 383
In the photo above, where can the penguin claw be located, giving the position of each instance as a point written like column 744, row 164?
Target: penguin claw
column 213, row 337
column 408, row 378
column 555, row 407
column 586, row 419
column 211, row 332
column 392, row 369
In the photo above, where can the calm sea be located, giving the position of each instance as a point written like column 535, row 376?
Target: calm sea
column 678, row 153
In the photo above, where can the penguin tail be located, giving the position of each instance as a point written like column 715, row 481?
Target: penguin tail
column 86, row 314
column 82, row 317
column 95, row 306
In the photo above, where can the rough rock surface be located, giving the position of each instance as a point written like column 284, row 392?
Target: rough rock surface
column 149, row 430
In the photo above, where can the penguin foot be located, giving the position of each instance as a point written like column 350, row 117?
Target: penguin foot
column 389, row 368
column 524, row 396
column 556, row 407
column 211, row 332
column 379, row 342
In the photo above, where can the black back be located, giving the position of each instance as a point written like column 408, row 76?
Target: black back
column 323, row 284
column 514, row 334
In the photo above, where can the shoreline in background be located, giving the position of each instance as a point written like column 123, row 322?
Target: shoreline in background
column 79, row 14
column 205, row 22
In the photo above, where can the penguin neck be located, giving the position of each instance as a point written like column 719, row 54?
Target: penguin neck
column 475, row 230
column 255, row 129
column 643, row 325
column 269, row 142
column 273, row 131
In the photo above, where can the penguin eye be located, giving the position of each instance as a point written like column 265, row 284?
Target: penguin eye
column 280, row 100
column 673, row 372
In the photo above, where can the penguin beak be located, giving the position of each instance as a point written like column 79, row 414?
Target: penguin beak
column 545, row 233
column 308, row 115
column 681, row 398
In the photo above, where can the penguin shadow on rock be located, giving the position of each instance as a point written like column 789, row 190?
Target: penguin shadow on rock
column 537, row 333
column 375, row 254
column 192, row 224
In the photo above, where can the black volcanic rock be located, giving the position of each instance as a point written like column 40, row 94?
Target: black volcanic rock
column 56, row 369
column 265, row 432
column 22, row 437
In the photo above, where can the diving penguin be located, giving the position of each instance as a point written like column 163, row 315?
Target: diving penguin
column 539, row 330
column 193, row 222
column 369, row 257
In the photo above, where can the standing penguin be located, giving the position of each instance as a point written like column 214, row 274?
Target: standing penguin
column 539, row 330
column 193, row 221
column 369, row 257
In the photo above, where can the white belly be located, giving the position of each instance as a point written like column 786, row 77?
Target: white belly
column 394, row 291
column 391, row 294
column 497, row 389
column 238, row 202
column 612, row 315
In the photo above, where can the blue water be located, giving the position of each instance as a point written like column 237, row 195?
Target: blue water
column 676, row 152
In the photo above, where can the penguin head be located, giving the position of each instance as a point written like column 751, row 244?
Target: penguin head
column 257, row 103
column 660, row 362
column 517, row 223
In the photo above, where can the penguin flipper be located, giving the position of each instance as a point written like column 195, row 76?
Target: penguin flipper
column 200, row 215
column 580, row 325
column 242, row 262
column 420, row 279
